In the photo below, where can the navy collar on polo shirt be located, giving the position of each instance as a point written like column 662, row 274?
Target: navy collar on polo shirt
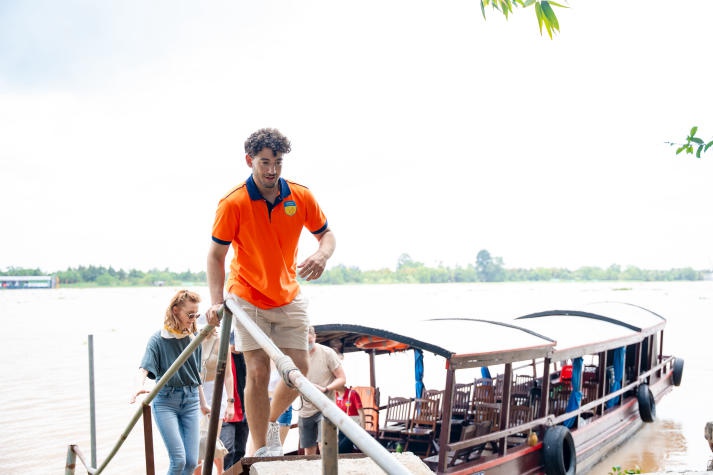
column 255, row 194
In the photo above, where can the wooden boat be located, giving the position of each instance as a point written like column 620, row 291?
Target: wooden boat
column 566, row 388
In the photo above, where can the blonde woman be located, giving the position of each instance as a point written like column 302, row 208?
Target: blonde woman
column 177, row 407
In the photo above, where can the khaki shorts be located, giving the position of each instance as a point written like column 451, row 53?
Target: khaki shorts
column 287, row 326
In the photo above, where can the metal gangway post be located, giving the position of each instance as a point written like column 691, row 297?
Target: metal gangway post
column 92, row 403
column 294, row 378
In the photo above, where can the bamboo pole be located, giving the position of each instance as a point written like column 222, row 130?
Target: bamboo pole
column 212, row 436
column 71, row 462
column 73, row 453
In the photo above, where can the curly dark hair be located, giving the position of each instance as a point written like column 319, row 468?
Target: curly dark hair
column 267, row 138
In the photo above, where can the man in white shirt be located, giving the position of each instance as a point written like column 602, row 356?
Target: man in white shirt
column 327, row 374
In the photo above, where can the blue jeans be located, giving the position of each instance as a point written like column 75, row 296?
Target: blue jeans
column 176, row 411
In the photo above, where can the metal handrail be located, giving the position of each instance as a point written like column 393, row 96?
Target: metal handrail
column 294, row 378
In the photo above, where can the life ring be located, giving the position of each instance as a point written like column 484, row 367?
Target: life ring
column 647, row 403
column 558, row 452
column 378, row 343
column 677, row 371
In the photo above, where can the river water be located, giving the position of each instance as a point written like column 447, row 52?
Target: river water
column 45, row 401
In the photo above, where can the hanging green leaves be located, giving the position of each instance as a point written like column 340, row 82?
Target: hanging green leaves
column 543, row 11
column 694, row 145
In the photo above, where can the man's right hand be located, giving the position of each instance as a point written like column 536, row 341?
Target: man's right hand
column 212, row 315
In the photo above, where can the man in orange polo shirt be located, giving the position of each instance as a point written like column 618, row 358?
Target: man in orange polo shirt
column 262, row 219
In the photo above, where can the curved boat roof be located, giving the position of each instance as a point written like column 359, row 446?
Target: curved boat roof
column 471, row 342
column 465, row 342
column 596, row 327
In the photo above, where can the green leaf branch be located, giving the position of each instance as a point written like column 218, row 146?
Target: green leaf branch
column 543, row 11
column 693, row 145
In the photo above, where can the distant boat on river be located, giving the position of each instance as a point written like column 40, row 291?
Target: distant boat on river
column 29, row 282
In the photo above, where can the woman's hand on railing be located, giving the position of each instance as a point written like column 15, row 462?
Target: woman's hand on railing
column 140, row 381
column 138, row 392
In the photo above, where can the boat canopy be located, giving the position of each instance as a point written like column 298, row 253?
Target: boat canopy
column 473, row 342
column 596, row 327
column 465, row 342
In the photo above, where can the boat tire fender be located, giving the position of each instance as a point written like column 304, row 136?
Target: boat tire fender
column 558, row 452
column 647, row 403
column 677, row 371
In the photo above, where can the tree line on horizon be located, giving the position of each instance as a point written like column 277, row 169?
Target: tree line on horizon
column 486, row 268
column 99, row 276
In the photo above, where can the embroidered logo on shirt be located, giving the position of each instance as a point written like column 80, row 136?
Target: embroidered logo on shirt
column 290, row 208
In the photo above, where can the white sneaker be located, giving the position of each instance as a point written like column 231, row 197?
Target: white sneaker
column 274, row 446
column 262, row 452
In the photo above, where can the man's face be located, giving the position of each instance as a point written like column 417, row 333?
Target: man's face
column 267, row 167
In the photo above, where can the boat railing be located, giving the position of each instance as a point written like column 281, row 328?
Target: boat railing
column 497, row 435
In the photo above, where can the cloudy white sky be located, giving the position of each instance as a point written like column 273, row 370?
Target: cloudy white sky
column 420, row 127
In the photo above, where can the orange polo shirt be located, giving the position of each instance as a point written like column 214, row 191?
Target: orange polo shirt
column 264, row 238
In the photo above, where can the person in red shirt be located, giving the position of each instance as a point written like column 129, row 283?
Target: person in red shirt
column 349, row 402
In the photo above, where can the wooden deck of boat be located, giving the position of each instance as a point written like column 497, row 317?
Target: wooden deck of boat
column 351, row 464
